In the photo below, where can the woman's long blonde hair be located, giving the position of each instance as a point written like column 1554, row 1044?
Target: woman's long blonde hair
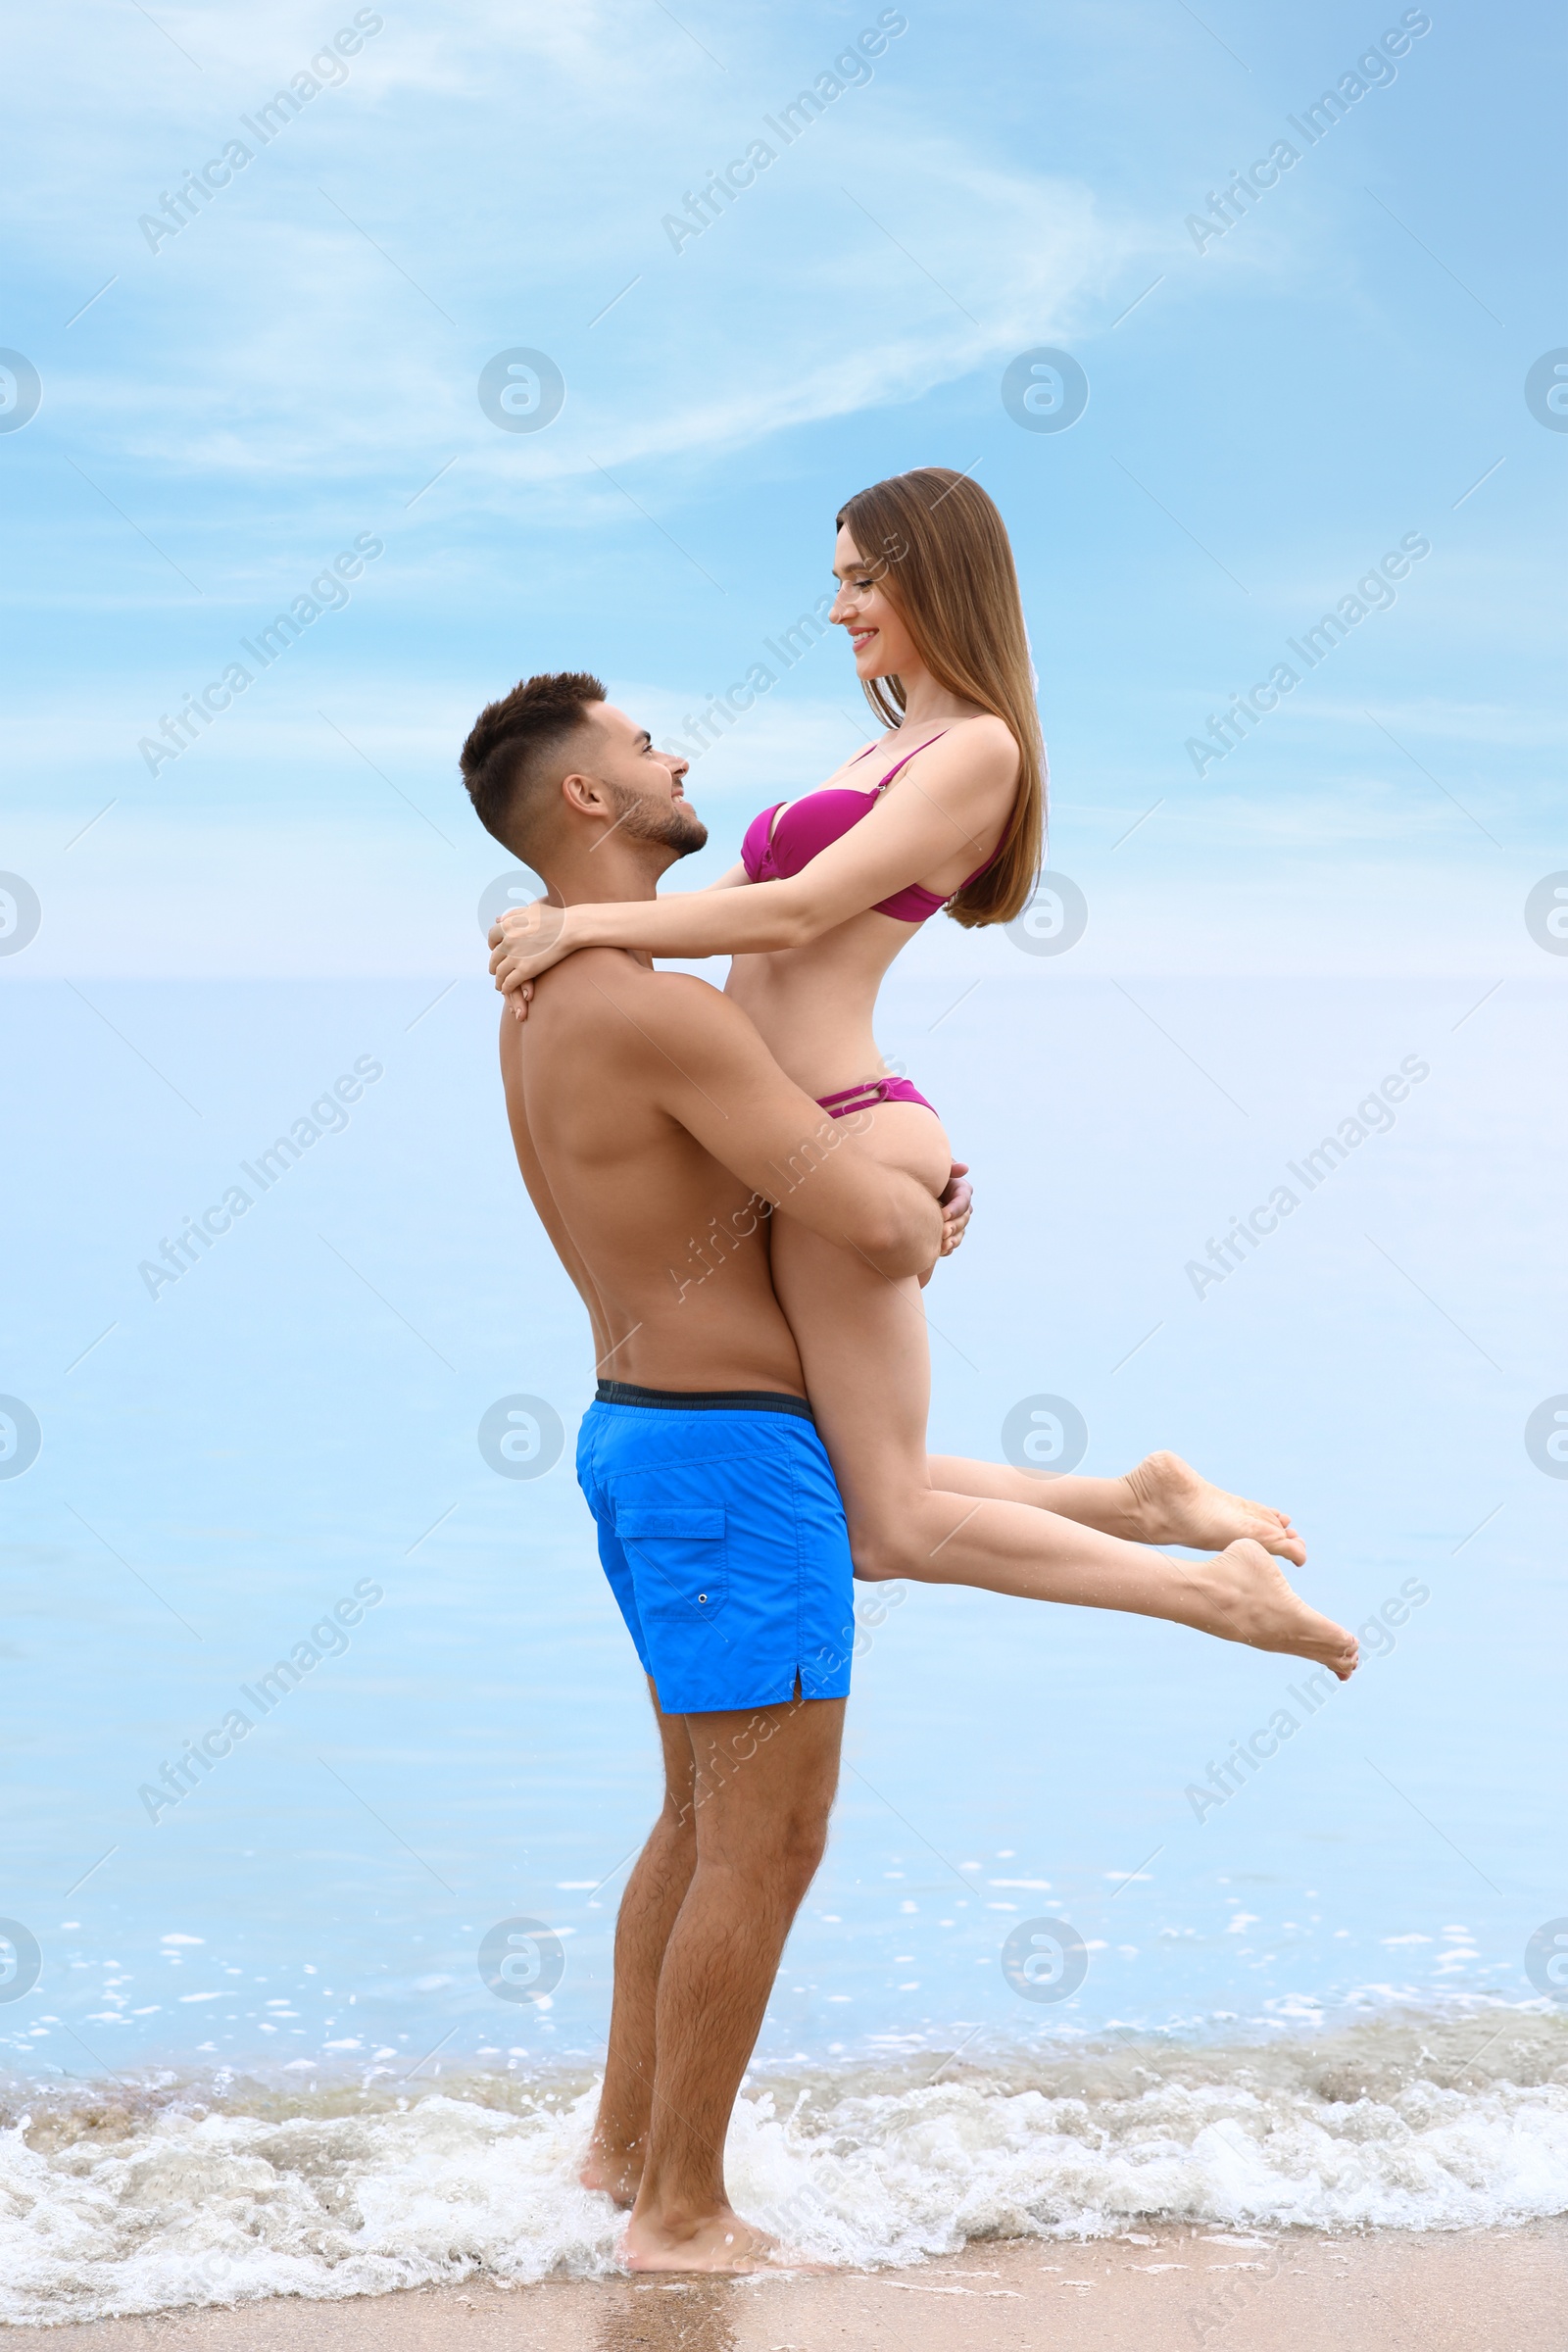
column 936, row 543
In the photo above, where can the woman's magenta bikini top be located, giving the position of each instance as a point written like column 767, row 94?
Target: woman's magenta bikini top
column 774, row 852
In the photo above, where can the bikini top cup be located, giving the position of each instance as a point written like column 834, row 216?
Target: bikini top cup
column 778, row 846
column 771, row 853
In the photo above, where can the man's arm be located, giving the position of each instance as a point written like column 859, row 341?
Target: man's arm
column 712, row 1072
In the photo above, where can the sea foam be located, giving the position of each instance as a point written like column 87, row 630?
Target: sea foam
column 187, row 2192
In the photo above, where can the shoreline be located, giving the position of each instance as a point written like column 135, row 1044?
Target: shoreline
column 1488, row 2291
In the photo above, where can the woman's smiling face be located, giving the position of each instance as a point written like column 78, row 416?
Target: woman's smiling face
column 883, row 646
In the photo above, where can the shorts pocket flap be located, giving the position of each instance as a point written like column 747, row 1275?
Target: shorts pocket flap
column 700, row 1527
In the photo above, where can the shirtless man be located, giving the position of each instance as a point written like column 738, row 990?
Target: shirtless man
column 654, row 1130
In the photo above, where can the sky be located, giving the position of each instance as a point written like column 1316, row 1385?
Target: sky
column 1280, row 393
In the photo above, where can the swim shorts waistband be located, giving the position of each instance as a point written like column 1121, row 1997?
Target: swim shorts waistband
column 704, row 1400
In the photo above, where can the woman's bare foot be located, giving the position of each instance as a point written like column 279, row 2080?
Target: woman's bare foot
column 1174, row 1504
column 721, row 2243
column 616, row 2173
column 1241, row 1596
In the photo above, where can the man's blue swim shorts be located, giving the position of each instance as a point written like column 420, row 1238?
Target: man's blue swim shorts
column 722, row 1534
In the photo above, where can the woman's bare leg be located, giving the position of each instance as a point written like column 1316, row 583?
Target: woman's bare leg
column 862, row 1345
column 1163, row 1502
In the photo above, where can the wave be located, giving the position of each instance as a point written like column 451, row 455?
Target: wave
column 180, row 2191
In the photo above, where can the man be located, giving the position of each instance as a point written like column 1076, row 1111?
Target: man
column 655, row 1134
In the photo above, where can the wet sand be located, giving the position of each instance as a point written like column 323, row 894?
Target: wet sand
column 1495, row 2290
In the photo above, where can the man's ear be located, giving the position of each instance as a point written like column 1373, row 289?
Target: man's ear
column 583, row 792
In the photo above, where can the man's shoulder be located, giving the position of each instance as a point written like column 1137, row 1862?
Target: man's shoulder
column 600, row 987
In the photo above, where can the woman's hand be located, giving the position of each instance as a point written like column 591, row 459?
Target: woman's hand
column 526, row 941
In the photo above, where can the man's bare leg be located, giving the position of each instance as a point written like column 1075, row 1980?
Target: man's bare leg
column 764, row 1783
column 1163, row 1500
column 655, row 1892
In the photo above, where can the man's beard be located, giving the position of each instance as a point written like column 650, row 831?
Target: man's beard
column 671, row 823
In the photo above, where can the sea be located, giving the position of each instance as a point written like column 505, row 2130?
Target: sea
column 328, row 1752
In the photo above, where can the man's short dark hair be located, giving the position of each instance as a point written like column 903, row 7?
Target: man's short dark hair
column 513, row 755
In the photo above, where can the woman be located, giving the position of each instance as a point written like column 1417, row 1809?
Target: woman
column 945, row 811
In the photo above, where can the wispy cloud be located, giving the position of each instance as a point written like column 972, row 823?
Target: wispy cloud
column 737, row 338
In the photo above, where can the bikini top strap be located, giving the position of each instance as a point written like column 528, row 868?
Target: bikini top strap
column 909, row 756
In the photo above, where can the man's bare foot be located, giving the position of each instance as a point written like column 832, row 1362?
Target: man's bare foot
column 616, row 2173
column 1241, row 1596
column 1174, row 1504
column 721, row 2243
